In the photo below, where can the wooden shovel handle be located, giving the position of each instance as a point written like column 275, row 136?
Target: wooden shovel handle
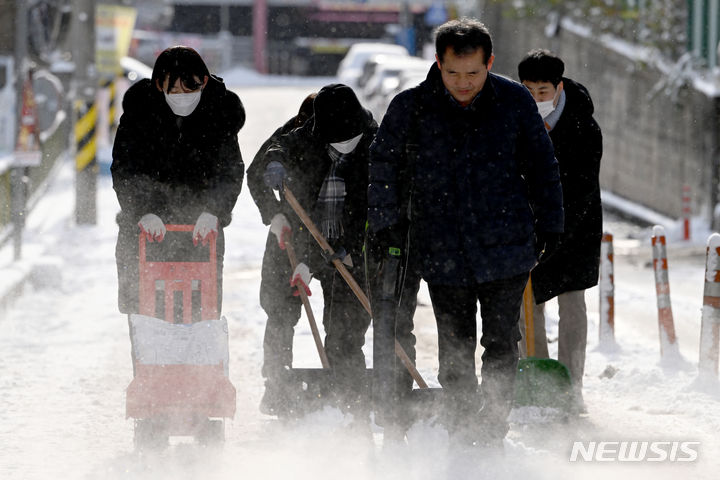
column 529, row 320
column 308, row 309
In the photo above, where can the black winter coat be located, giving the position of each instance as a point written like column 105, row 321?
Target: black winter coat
column 307, row 162
column 483, row 180
column 174, row 167
column 578, row 148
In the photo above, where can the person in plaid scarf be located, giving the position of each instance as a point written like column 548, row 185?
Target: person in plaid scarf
column 324, row 162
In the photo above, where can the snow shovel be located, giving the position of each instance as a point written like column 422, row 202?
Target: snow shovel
column 347, row 276
column 424, row 399
column 396, row 406
column 314, row 392
column 308, row 309
column 540, row 382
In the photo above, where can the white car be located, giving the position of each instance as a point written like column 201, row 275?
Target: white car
column 373, row 63
column 351, row 66
column 405, row 80
column 134, row 69
column 386, row 79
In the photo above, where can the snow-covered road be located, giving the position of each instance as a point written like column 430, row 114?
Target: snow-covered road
column 65, row 364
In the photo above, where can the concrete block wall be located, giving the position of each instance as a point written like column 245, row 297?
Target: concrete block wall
column 653, row 144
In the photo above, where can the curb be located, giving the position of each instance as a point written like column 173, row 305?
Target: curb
column 14, row 277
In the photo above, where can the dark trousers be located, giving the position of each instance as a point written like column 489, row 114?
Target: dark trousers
column 455, row 312
column 394, row 307
column 282, row 308
column 344, row 319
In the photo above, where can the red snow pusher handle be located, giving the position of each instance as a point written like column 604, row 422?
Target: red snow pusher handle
column 178, row 291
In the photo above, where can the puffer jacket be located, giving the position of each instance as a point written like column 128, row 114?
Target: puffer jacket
column 174, row 167
column 483, row 180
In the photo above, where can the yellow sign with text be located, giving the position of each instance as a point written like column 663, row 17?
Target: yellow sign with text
column 113, row 31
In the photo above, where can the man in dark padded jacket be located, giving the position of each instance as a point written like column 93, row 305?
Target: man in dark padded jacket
column 479, row 191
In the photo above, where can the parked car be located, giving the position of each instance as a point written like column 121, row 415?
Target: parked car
column 135, row 70
column 406, row 79
column 387, row 78
column 372, row 64
column 351, row 65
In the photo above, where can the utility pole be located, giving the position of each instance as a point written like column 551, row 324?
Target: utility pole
column 18, row 176
column 225, row 37
column 260, row 26
column 83, row 91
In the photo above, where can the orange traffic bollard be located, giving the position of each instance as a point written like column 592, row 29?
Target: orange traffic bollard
column 710, row 326
column 686, row 211
column 607, row 290
column 662, row 288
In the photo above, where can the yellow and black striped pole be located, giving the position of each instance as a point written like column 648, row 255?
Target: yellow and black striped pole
column 110, row 85
column 86, row 165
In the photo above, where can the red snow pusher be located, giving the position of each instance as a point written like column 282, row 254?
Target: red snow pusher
column 180, row 347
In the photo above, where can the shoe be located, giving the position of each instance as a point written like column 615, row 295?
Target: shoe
column 471, row 439
column 359, row 426
column 577, row 404
column 270, row 402
column 279, row 400
column 394, row 436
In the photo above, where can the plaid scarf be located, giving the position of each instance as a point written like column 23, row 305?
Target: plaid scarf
column 331, row 200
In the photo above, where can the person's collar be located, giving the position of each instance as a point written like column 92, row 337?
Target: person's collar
column 552, row 119
column 453, row 101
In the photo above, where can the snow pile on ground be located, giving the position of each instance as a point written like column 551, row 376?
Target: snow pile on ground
column 65, row 365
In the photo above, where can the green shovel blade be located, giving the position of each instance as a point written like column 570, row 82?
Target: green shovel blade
column 543, row 382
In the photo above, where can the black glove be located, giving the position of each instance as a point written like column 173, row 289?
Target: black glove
column 546, row 244
column 274, row 175
column 340, row 253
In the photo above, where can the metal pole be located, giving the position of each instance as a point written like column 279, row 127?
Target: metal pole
column 18, row 195
column 260, row 27
column 18, row 179
column 714, row 160
column 697, row 22
column 84, row 86
column 225, row 37
column 712, row 33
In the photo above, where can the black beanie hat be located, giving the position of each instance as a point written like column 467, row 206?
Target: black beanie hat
column 338, row 114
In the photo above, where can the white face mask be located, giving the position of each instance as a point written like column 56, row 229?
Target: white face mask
column 183, row 104
column 347, row 146
column 545, row 108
